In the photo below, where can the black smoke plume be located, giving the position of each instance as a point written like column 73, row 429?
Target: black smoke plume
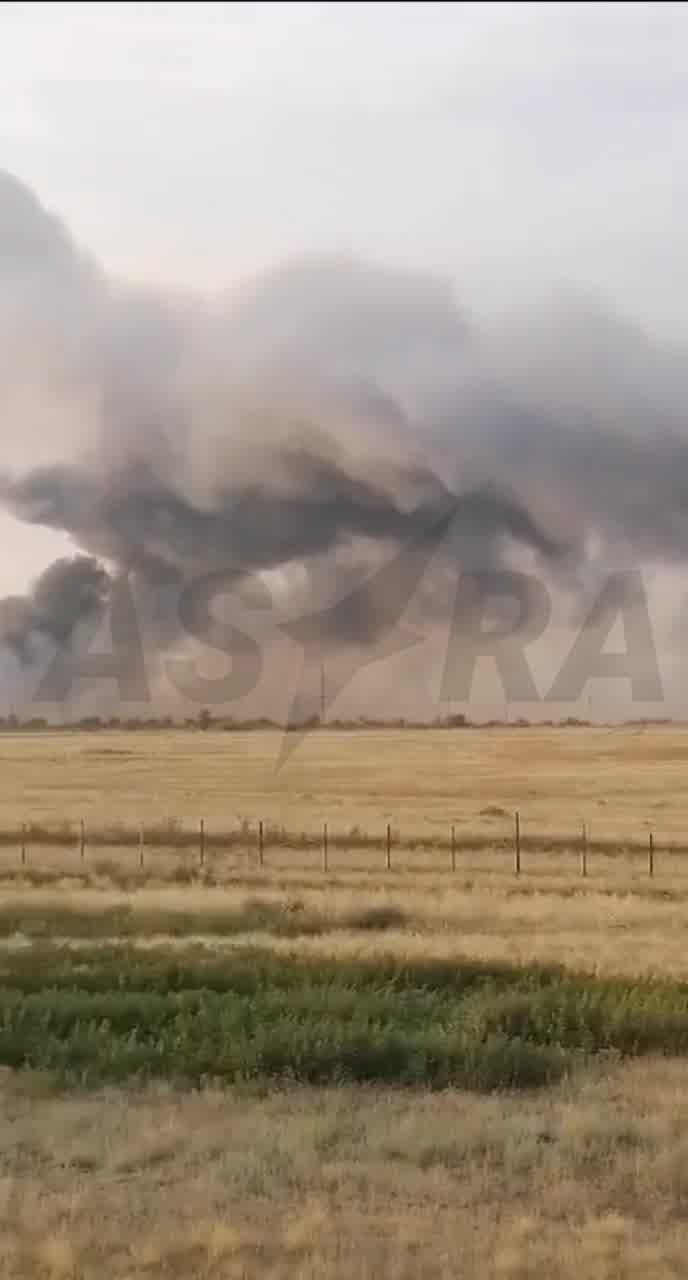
column 67, row 594
column 305, row 433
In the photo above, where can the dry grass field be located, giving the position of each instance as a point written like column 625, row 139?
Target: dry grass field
column 620, row 781
column 589, row 1180
column 554, row 1144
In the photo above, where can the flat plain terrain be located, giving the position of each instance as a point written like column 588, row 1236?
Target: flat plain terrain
column 221, row 1067
column 586, row 1180
column 619, row 781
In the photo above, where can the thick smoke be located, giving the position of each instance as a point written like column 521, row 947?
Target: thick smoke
column 343, row 439
column 307, row 506
column 67, row 594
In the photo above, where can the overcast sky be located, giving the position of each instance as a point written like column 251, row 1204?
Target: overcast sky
column 196, row 144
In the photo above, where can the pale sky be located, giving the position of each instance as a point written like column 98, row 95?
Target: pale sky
column 197, row 144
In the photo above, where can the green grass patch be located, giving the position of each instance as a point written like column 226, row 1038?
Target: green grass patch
column 287, row 919
column 382, row 917
column 113, row 1014
column 124, row 921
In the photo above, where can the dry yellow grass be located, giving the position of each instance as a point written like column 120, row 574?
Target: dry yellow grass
column 589, row 1180
column 601, row 931
column 618, row 780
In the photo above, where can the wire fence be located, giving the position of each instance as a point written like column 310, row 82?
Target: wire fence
column 385, row 846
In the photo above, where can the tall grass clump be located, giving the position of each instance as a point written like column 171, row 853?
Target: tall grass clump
column 115, row 1013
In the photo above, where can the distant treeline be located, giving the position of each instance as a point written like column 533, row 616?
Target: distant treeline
column 205, row 720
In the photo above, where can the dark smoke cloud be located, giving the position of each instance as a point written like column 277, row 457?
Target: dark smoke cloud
column 133, row 517
column 310, row 515
column 67, row 594
column 311, row 428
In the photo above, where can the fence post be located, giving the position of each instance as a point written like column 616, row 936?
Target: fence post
column 324, row 847
column 202, row 842
column 518, row 843
column 82, row 839
column 651, row 855
column 261, row 843
column 23, row 844
column 584, row 851
column 389, row 847
column 453, row 848
column 141, row 847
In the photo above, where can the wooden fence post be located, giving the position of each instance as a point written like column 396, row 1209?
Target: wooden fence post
column 651, row 855
column 324, row 847
column 389, row 847
column 261, row 843
column 453, row 848
column 517, row 867
column 202, row 842
column 82, row 841
column 584, row 851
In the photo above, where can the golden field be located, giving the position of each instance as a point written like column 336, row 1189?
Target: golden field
column 603, row 929
column 585, row 1177
column 589, row 1180
column 620, row 781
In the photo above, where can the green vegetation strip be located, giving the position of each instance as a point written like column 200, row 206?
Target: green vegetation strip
column 114, row 1014
column 287, row 920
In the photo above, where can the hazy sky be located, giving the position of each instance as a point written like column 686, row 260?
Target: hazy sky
column 195, row 144
column 508, row 147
